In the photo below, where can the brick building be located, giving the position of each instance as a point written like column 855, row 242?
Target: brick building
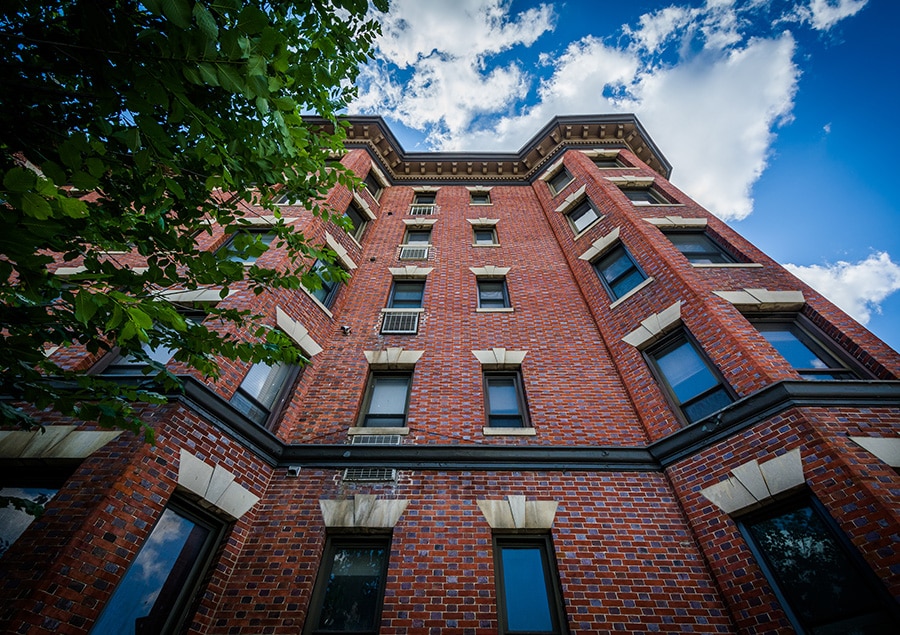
column 554, row 396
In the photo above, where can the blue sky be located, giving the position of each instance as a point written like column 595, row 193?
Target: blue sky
column 779, row 116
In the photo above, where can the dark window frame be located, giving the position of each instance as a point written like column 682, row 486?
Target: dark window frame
column 714, row 254
column 842, row 541
column 505, row 289
column 826, row 349
column 657, row 197
column 492, row 420
column 366, row 418
column 425, row 198
column 186, row 596
column 615, row 160
column 560, row 180
column 552, row 582
column 410, row 231
column 669, row 343
column 485, row 197
column 584, row 206
column 606, row 260
column 333, row 543
column 282, row 396
column 488, row 229
column 392, row 295
column 330, row 288
column 373, row 186
column 359, row 226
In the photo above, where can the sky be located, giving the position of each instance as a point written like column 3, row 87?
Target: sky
column 778, row 116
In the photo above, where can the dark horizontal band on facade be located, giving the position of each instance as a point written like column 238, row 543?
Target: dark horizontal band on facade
column 676, row 447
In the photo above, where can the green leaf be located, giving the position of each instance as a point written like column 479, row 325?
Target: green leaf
column 141, row 319
column 206, row 21
column 85, row 307
column 178, row 12
column 19, row 180
column 208, row 73
column 252, row 20
column 36, row 206
column 73, row 207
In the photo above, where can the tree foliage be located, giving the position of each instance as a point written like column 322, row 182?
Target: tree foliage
column 123, row 126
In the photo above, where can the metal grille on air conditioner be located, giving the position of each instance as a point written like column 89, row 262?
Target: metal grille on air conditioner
column 402, row 322
column 422, row 210
column 373, row 473
column 376, row 439
column 413, row 253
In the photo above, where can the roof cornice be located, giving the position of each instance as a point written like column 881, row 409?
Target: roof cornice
column 561, row 133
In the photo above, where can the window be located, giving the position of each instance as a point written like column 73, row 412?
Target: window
column 372, row 184
column 645, row 196
column 559, row 181
column 618, row 272
column 127, row 364
column 406, row 294
column 479, row 198
column 327, row 292
column 13, row 521
column 349, row 589
column 417, row 237
column 606, row 163
column 485, row 236
column 528, row 595
column 492, row 294
column 357, row 219
column 583, row 216
column 263, row 388
column 425, row 198
column 803, row 352
column 288, row 199
column 693, row 385
column 156, row 591
column 819, row 578
column 246, row 245
column 505, row 400
column 423, row 204
column 387, row 400
column 698, row 248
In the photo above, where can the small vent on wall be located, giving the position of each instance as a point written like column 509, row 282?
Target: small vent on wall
column 376, row 439
column 370, row 474
column 401, row 322
column 413, row 253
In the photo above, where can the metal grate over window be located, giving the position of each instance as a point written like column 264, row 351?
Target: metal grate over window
column 401, row 322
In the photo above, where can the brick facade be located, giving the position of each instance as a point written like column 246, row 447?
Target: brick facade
column 638, row 546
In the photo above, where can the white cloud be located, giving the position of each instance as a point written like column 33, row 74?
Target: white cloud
column 857, row 288
column 824, row 14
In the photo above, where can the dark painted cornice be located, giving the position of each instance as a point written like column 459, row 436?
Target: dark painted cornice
column 657, row 456
column 523, row 166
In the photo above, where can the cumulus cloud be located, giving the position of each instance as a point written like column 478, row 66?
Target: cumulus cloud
column 857, row 288
column 824, row 14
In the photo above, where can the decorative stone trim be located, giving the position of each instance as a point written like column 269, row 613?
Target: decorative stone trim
column 517, row 513
column 483, row 222
column 392, row 358
column 297, row 332
column 755, row 484
column 600, row 152
column 489, row 271
column 65, row 272
column 677, row 221
column 341, row 252
column 214, row 485
column 53, row 442
column 479, row 188
column 631, row 181
column 410, row 271
column 550, row 172
column 571, row 200
column 885, row 448
column 508, row 432
column 364, row 206
column 654, row 327
column 379, row 175
column 267, row 220
column 500, row 358
column 600, row 245
column 764, row 300
column 419, row 222
column 425, row 189
column 363, row 511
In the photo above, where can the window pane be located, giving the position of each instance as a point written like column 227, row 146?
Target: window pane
column 240, row 255
column 14, row 522
column 582, row 217
column 356, row 219
column 484, row 237
column 354, row 593
column 418, row 237
column 325, row 294
column 389, row 395
column 817, row 576
column 638, row 195
column 685, row 371
column 790, row 347
column 503, row 397
column 560, row 181
column 527, row 599
column 407, row 295
column 492, row 293
column 706, row 405
column 164, row 566
column 615, row 264
column 425, row 199
column 627, row 283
